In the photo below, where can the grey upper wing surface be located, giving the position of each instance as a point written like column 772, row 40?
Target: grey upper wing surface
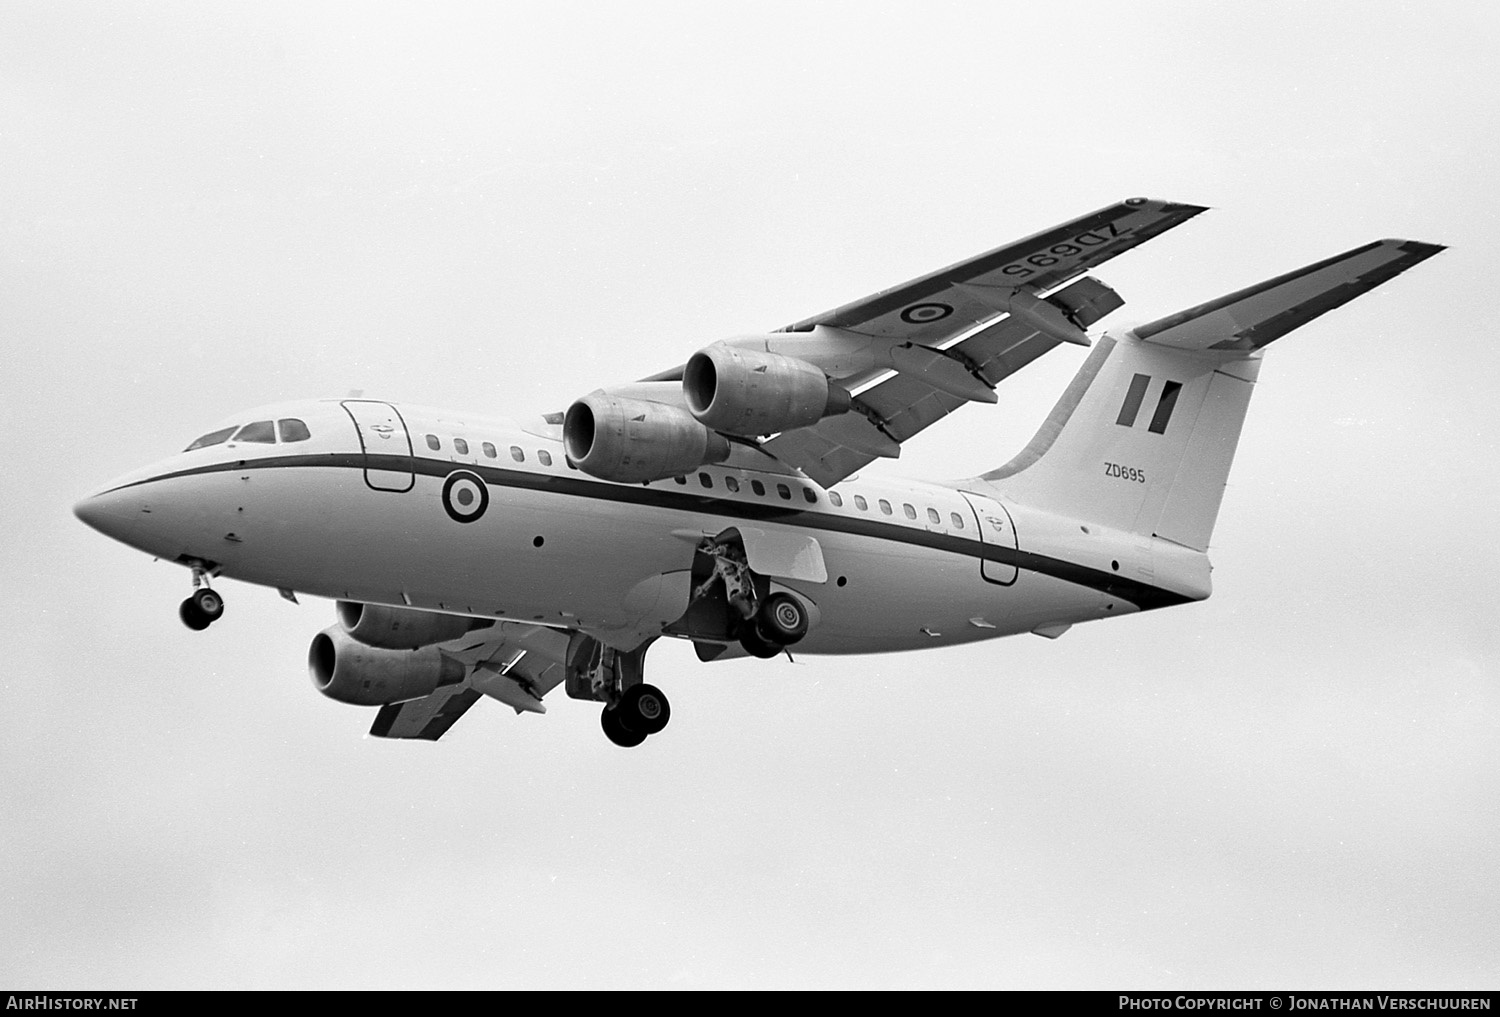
column 1040, row 262
column 985, row 317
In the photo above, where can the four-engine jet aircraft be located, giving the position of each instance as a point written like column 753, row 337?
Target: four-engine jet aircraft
column 720, row 502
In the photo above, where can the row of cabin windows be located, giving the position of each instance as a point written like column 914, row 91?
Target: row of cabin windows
column 933, row 515
column 461, row 446
column 261, row 432
column 733, row 486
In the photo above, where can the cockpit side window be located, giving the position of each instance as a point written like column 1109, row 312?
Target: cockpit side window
column 212, row 438
column 261, row 432
column 293, row 429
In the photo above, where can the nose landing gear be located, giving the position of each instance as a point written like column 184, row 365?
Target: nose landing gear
column 203, row 607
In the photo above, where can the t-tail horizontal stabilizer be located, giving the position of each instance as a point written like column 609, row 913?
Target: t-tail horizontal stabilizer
column 1254, row 317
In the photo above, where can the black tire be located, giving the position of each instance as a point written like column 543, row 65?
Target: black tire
column 781, row 619
column 191, row 616
column 616, row 731
column 755, row 644
column 208, row 603
column 645, row 708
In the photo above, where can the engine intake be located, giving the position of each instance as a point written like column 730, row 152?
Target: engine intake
column 401, row 628
column 361, row 675
column 636, row 440
column 748, row 393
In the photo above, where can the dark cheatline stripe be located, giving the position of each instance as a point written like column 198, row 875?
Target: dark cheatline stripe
column 1165, row 406
column 1132, row 404
column 1143, row 595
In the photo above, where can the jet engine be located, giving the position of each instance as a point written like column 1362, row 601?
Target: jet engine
column 749, row 393
column 401, row 628
column 361, row 675
column 634, row 440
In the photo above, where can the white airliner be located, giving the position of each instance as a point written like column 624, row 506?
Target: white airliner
column 720, row 501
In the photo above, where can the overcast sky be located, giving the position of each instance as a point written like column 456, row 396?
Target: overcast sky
column 207, row 206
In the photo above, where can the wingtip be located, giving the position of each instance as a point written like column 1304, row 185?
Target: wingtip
column 1182, row 208
column 1419, row 248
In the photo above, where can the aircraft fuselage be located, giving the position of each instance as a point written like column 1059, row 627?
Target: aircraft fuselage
column 372, row 513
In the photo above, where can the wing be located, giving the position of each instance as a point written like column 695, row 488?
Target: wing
column 933, row 344
column 514, row 663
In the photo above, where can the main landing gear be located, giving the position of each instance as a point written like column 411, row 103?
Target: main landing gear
column 780, row 622
column 643, row 710
column 203, row 607
column 765, row 623
column 633, row 710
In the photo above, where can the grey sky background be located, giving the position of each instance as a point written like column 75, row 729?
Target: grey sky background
column 204, row 207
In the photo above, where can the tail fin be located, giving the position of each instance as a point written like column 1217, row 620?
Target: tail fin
column 1143, row 437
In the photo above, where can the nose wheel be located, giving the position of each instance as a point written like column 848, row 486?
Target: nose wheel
column 203, row 607
column 643, row 710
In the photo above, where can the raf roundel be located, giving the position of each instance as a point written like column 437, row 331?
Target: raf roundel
column 921, row 314
column 464, row 496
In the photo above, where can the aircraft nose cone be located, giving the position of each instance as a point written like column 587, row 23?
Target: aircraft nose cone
column 108, row 513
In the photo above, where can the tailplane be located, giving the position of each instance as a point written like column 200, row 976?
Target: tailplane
column 1143, row 437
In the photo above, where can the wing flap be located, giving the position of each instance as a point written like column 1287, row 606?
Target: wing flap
column 428, row 718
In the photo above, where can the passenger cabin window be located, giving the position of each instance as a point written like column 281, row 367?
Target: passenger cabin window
column 784, row 491
column 807, row 493
column 911, row 513
column 433, row 443
column 705, row 480
column 958, row 521
column 732, row 484
column 460, row 446
column 885, row 506
column 757, row 487
column 680, row 480
column 218, row 437
column 933, row 517
column 544, row 456
column 489, row 450
column 836, row 498
column 517, row 454
column 261, row 433
column 293, row 429
column 860, row 503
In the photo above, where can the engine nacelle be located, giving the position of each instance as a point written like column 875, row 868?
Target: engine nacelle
column 750, row 393
column 635, row 440
column 401, row 628
column 361, row 675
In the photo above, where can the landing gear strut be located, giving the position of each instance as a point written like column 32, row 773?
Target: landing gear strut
column 203, row 607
